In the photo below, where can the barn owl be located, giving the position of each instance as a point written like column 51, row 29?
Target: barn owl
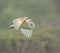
column 19, row 21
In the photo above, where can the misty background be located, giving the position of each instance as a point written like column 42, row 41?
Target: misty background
column 46, row 35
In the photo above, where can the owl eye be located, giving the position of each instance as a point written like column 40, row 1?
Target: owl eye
column 31, row 24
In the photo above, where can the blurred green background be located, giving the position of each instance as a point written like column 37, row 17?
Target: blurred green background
column 46, row 35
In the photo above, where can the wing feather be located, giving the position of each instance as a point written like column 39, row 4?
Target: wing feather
column 26, row 32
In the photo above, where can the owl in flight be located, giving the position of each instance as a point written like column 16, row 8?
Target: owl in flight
column 17, row 24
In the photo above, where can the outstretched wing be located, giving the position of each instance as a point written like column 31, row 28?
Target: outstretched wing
column 27, row 32
column 18, row 22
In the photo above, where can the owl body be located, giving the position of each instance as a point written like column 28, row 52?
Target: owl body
column 17, row 23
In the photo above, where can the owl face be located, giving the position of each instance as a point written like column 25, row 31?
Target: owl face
column 30, row 23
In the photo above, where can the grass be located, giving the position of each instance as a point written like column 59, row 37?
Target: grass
column 9, row 39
